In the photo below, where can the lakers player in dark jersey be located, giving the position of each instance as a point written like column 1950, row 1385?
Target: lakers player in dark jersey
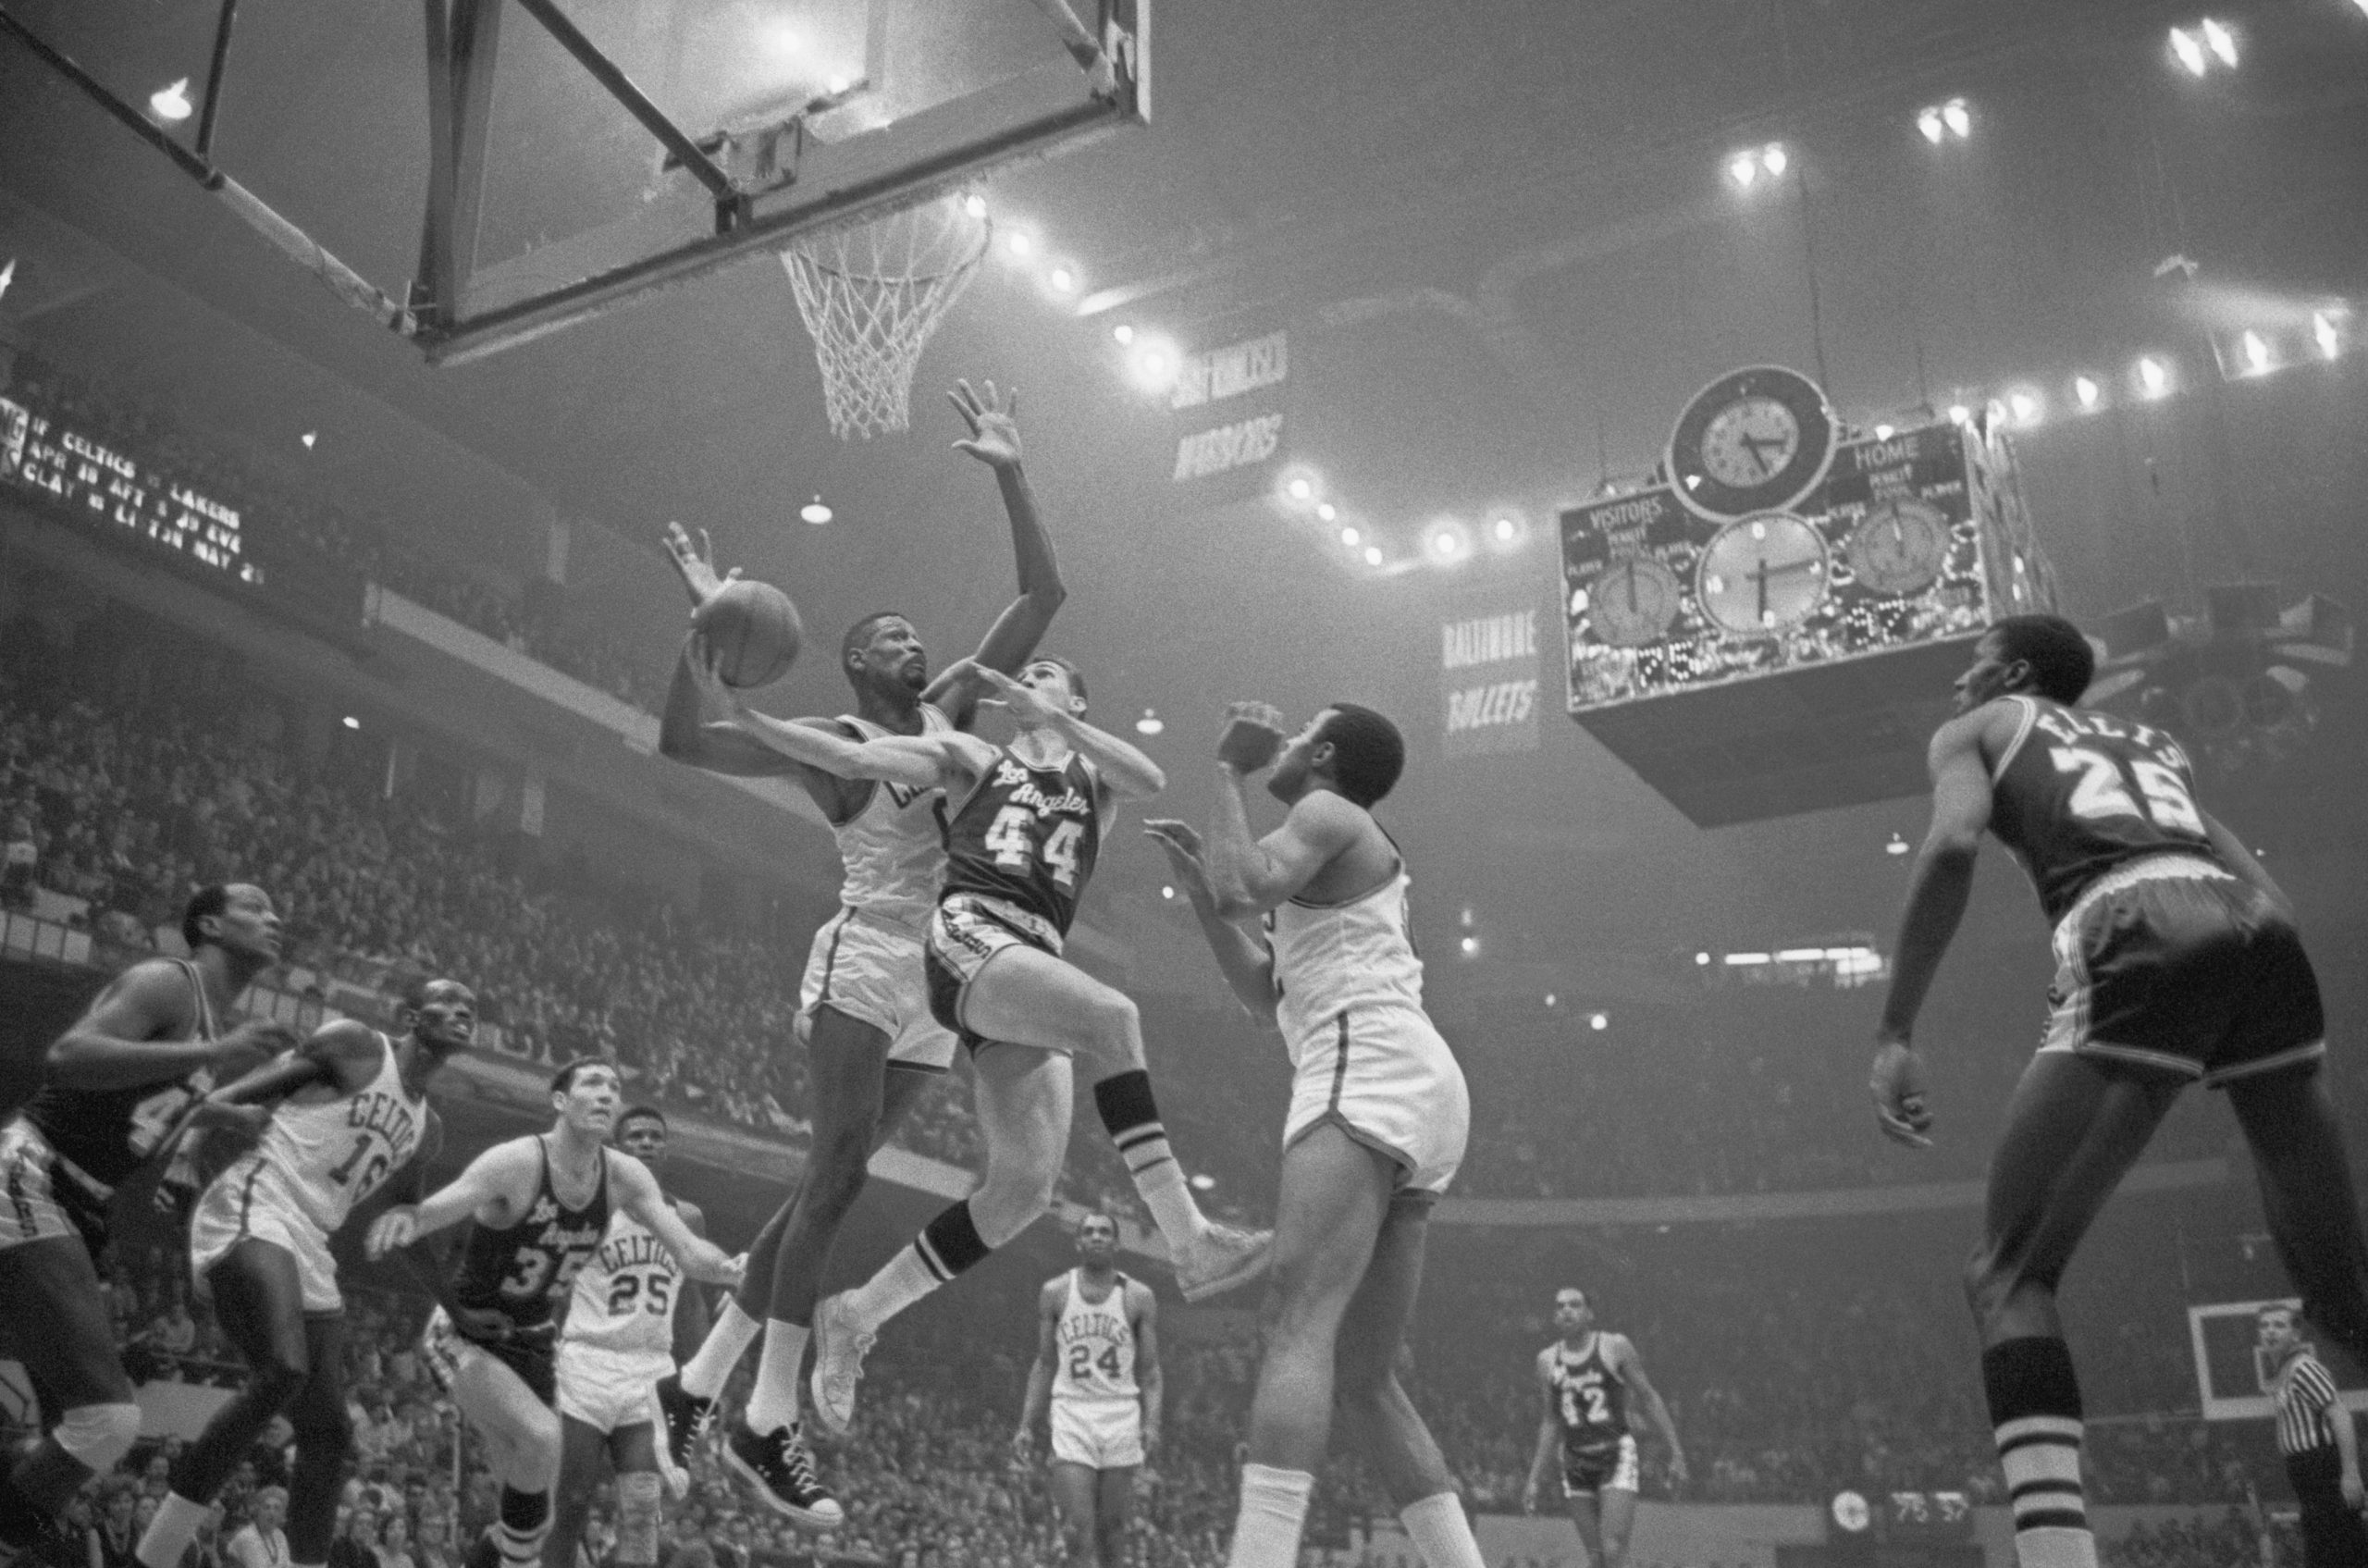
column 871, row 1046
column 1020, row 847
column 2178, row 961
column 541, row 1204
column 1585, row 1378
column 113, row 1087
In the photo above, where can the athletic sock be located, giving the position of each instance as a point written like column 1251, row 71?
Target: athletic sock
column 710, row 1365
column 1274, row 1509
column 772, row 1403
column 1132, row 1118
column 946, row 1246
column 2035, row 1413
column 169, row 1534
column 1440, row 1532
column 526, row 1520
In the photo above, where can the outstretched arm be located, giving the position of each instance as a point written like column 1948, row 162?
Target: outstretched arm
column 1251, row 876
column 1148, row 1380
column 1631, row 1369
column 1248, row 964
column 117, row 1044
column 1033, row 1409
column 1009, row 643
column 1123, row 768
column 499, row 1171
column 638, row 1195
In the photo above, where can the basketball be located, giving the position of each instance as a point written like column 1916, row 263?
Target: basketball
column 753, row 630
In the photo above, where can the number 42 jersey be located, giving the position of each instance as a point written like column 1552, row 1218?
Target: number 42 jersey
column 2078, row 794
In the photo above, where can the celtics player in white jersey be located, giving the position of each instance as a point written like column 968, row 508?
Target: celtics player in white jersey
column 1097, row 1373
column 871, row 1046
column 335, row 1120
column 631, row 1312
column 1377, row 1120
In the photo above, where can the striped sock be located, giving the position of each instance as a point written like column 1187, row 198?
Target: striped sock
column 2035, row 1412
column 526, row 1520
column 1131, row 1117
column 946, row 1246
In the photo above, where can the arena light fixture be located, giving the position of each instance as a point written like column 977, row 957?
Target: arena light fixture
column 1743, row 168
column 1928, row 121
column 2026, row 405
column 1886, row 432
column 1551, row 998
column 1599, row 1021
column 2323, row 327
column 975, row 204
column 1020, row 244
column 171, row 104
column 1504, row 529
column 1773, row 158
column 1447, row 540
column 1960, row 414
column 1702, row 959
column 1350, row 537
column 309, row 439
column 2188, row 49
column 2153, row 376
column 1469, row 946
column 351, row 723
column 1202, row 1181
column 1301, row 488
column 2086, row 390
column 2221, row 41
column 2256, row 353
column 1895, row 845
column 1063, row 278
column 1151, row 724
column 1166, row 890
column 1124, row 333
column 1153, row 364
column 1325, row 512
column 814, row 511
column 1373, row 555
column 1958, row 118
column 7, row 276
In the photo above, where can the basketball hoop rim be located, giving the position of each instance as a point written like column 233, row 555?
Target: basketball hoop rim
column 801, row 250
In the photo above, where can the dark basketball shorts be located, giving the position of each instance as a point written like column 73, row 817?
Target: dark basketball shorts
column 2176, row 965
column 966, row 933
column 1608, row 1468
column 453, row 1358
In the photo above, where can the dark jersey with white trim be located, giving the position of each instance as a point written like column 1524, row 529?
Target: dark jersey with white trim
column 525, row 1270
column 107, row 1133
column 1028, row 836
column 2081, row 793
column 1590, row 1398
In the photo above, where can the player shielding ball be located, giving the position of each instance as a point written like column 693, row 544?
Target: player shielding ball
column 1020, row 848
column 870, row 1042
column 1097, row 1374
column 542, row 1205
column 115, row 1086
column 631, row 1311
column 2178, row 960
column 335, row 1121
column 1377, row 1122
column 1585, row 1378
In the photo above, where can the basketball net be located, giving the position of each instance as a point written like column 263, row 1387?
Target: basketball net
column 871, row 293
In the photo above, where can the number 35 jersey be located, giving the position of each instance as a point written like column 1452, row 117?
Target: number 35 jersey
column 1028, row 837
column 2079, row 794
column 626, row 1293
column 319, row 1161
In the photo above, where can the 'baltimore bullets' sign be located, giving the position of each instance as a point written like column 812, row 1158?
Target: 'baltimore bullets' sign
column 1488, row 682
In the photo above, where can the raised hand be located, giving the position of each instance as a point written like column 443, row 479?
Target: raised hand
column 696, row 565
column 1026, row 703
column 1897, row 1084
column 994, row 422
column 1182, row 842
column 711, row 689
column 1251, row 737
column 391, row 1231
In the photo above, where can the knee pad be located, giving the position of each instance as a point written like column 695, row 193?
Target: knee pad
column 638, row 1494
column 99, row 1434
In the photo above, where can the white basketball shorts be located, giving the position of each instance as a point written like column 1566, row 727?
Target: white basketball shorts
column 238, row 1208
column 610, row 1391
column 1384, row 1076
column 1098, row 1433
column 871, row 971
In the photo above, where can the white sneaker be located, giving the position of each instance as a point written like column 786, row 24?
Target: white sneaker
column 839, row 1349
column 1225, row 1256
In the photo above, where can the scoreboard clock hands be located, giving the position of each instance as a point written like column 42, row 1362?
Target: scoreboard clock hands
column 1900, row 546
column 1633, row 601
column 1756, row 440
column 1763, row 574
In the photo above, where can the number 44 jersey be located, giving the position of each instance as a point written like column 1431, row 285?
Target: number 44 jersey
column 1028, row 836
column 2078, row 794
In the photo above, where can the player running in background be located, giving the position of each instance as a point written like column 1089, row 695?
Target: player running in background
column 871, row 1046
column 152, row 1045
column 1585, row 1377
column 2177, row 961
column 542, row 1205
column 335, row 1121
column 631, row 1313
column 1097, row 1370
column 1377, row 1119
column 1020, row 847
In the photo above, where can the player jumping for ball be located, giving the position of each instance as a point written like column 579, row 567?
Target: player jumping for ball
column 1377, row 1120
column 1020, row 848
column 871, row 1046
column 2177, row 961
column 1585, row 1378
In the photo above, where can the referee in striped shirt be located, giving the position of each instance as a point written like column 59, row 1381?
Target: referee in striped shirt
column 2322, row 1453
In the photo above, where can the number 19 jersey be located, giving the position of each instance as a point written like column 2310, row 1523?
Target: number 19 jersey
column 1028, row 838
column 2078, row 794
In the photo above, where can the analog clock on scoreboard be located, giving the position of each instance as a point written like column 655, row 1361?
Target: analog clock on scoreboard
column 1756, row 440
column 1763, row 574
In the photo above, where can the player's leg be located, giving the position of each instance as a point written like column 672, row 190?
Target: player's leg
column 1372, row 1404
column 1027, row 996
column 633, row 1455
column 1618, row 1505
column 1022, row 1097
column 1114, row 1511
column 1586, row 1517
column 74, row 1365
column 323, row 1434
column 2074, row 1125
column 1335, row 1196
column 580, row 1448
column 520, row 1436
column 259, row 1300
column 2308, row 1197
column 1075, row 1497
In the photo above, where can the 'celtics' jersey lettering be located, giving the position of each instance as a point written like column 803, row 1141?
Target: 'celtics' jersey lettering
column 625, row 1294
column 1028, row 836
column 2078, row 793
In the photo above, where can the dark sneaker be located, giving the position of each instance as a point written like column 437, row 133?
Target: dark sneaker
column 687, row 1416
column 484, row 1552
column 779, row 1465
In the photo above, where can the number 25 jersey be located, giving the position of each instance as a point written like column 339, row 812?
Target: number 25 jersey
column 626, row 1293
column 2078, row 793
column 1028, row 836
